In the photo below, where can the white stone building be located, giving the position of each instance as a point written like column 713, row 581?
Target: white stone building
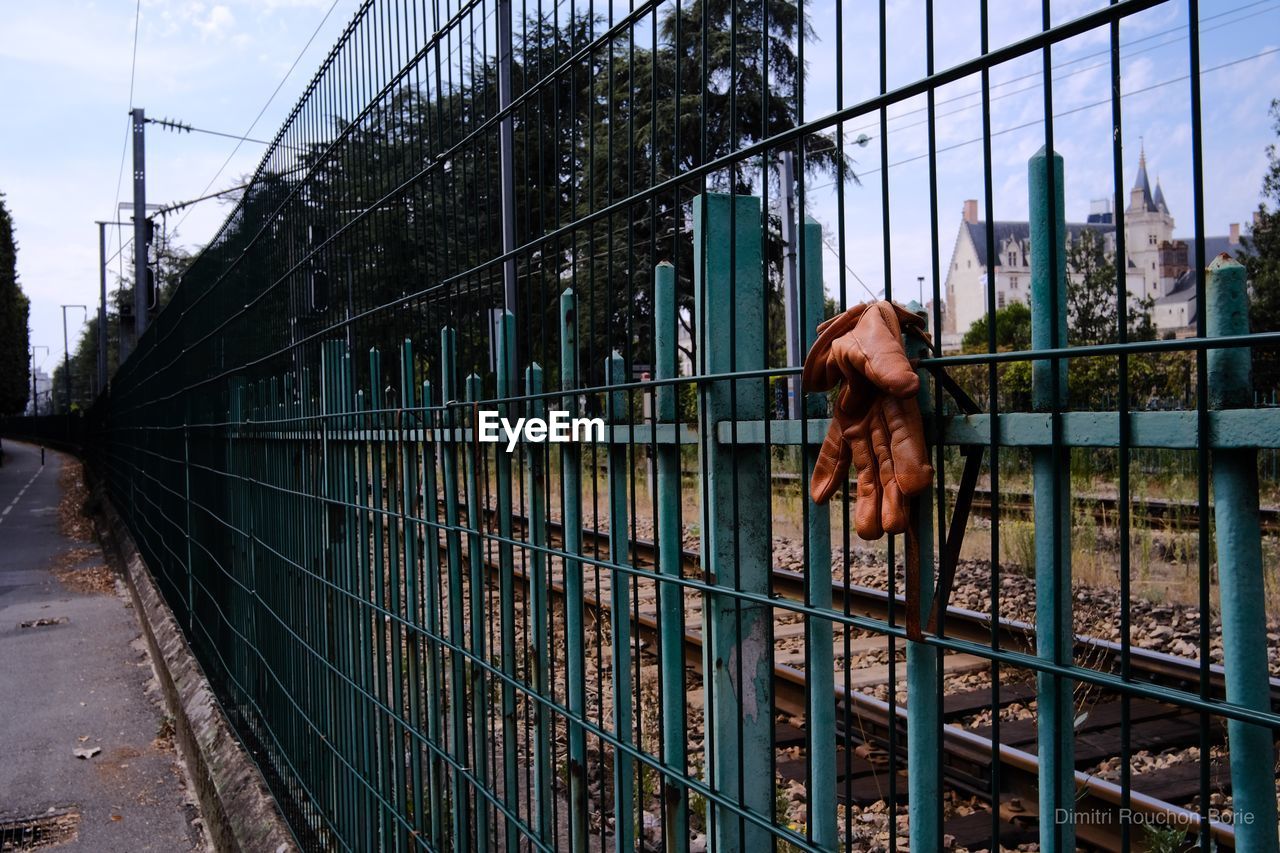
column 1157, row 262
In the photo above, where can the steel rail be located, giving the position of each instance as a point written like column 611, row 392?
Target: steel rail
column 961, row 623
column 961, row 747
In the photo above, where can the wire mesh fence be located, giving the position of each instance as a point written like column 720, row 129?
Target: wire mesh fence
column 650, row 637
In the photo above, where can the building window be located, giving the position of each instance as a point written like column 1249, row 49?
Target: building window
column 999, row 300
column 968, row 264
column 1151, row 239
column 1013, row 282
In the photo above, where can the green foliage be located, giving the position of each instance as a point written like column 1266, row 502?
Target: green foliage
column 15, row 376
column 609, row 125
column 1165, row 839
column 1155, row 380
column 1013, row 379
column 1261, row 257
column 1091, row 296
column 1013, row 330
column 170, row 263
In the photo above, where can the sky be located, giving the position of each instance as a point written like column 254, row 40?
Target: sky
column 64, row 89
column 67, row 67
column 1156, row 115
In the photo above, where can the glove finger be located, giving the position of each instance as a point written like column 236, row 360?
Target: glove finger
column 888, row 365
column 906, row 440
column 874, row 349
column 819, row 373
column 832, row 467
column 866, row 512
column 907, row 318
column 893, row 510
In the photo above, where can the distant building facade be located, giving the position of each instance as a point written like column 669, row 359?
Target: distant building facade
column 44, row 395
column 1156, row 265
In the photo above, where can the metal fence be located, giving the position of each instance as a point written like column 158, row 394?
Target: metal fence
column 652, row 640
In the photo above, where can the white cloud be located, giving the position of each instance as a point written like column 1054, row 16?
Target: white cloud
column 216, row 23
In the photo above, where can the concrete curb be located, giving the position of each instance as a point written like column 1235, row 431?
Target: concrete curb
column 238, row 810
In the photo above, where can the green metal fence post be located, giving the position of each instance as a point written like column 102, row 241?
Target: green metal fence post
column 409, row 527
column 507, row 387
column 729, row 300
column 1241, row 585
column 453, row 539
column 433, row 616
column 571, row 516
column 675, row 797
column 1051, row 471
column 386, row 595
column 186, row 487
column 539, row 611
column 620, row 614
column 369, row 621
column 479, row 720
column 819, row 640
column 924, row 797
column 330, row 557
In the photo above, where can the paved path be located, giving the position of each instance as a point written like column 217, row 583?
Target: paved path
column 84, row 681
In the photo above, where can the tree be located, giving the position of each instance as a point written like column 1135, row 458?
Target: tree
column 1092, row 319
column 1013, row 379
column 1261, row 258
column 15, row 377
column 1013, row 330
column 1091, row 296
column 724, row 75
column 392, row 226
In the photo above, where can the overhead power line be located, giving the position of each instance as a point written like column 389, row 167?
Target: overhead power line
column 133, row 68
column 179, row 205
column 1079, row 109
column 265, row 106
column 1036, row 75
column 183, row 127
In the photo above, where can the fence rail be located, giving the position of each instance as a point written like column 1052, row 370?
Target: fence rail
column 428, row 642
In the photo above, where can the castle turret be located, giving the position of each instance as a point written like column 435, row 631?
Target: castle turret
column 1159, row 199
column 1140, row 200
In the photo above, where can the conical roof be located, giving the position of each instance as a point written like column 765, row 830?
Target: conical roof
column 1144, row 184
column 1159, row 199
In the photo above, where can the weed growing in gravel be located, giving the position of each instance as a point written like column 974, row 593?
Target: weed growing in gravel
column 1018, row 541
column 1165, row 839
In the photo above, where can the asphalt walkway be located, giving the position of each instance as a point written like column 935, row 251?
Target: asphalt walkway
column 75, row 675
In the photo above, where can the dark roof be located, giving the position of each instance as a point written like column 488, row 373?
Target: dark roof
column 1145, row 185
column 1214, row 246
column 1159, row 199
column 1021, row 231
column 1184, row 290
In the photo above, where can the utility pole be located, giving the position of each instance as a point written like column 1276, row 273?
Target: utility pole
column 139, row 225
column 102, row 306
column 66, row 355
column 791, row 282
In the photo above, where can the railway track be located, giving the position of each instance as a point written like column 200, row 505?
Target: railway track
column 968, row 753
column 1153, row 513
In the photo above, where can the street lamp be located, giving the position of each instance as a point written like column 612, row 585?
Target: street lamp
column 35, row 398
column 66, row 354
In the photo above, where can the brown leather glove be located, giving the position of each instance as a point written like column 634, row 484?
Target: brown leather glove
column 876, row 423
